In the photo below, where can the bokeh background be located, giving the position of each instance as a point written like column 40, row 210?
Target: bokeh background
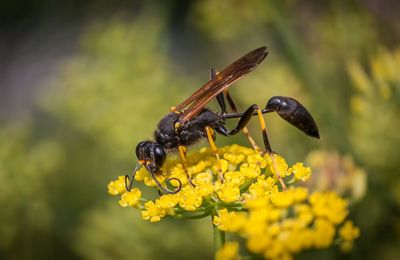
column 81, row 82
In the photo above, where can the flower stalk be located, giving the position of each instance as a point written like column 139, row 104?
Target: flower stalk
column 219, row 237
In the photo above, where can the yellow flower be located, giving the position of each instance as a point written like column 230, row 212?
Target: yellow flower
column 257, row 190
column 237, row 149
column 258, row 243
column 292, row 240
column 293, row 224
column 308, row 238
column 228, row 192
column 203, row 178
column 130, row 198
column 299, row 194
column 141, row 174
column 197, row 168
column 234, row 158
column 324, row 233
column 250, row 171
column 304, row 213
column 257, row 160
column 263, row 187
column 275, row 251
column 153, row 212
column 234, row 178
column 116, row 187
column 274, row 229
column 283, row 199
column 278, row 165
column 349, row 231
column 256, row 223
column 252, row 228
column 179, row 173
column 255, row 202
column 300, row 172
column 204, row 184
column 205, row 189
column 230, row 251
column 167, row 201
column 189, row 199
column 148, row 180
column 229, row 221
column 222, row 166
column 330, row 206
column 275, row 214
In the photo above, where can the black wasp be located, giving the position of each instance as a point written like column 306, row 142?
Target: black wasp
column 190, row 121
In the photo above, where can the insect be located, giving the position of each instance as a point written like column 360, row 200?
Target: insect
column 190, row 121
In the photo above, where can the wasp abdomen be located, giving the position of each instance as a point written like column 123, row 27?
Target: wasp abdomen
column 295, row 113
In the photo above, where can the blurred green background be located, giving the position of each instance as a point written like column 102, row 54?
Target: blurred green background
column 81, row 82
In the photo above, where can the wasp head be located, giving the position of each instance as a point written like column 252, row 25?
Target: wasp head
column 152, row 154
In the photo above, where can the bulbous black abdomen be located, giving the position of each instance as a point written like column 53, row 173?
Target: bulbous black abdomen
column 295, row 113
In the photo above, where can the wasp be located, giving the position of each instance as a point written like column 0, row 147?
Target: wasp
column 190, row 122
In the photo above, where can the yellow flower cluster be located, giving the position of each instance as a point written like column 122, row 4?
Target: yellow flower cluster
column 348, row 232
column 240, row 167
column 280, row 224
column 248, row 201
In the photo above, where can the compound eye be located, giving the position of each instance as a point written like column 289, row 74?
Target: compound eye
column 159, row 155
column 142, row 150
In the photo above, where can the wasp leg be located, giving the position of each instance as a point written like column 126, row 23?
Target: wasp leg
column 221, row 101
column 182, row 155
column 154, row 171
column 214, row 148
column 243, row 121
column 245, row 130
column 160, row 186
column 129, row 180
column 220, row 97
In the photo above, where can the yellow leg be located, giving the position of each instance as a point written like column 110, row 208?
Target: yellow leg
column 210, row 137
column 182, row 155
column 182, row 152
column 253, row 143
column 268, row 147
column 278, row 175
column 214, row 148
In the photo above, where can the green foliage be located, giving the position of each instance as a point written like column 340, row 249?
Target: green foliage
column 25, row 168
column 109, row 233
column 106, row 90
column 376, row 100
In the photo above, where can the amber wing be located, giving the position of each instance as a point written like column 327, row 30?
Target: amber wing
column 193, row 105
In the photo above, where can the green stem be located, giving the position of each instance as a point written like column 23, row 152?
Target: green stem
column 192, row 216
column 219, row 237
